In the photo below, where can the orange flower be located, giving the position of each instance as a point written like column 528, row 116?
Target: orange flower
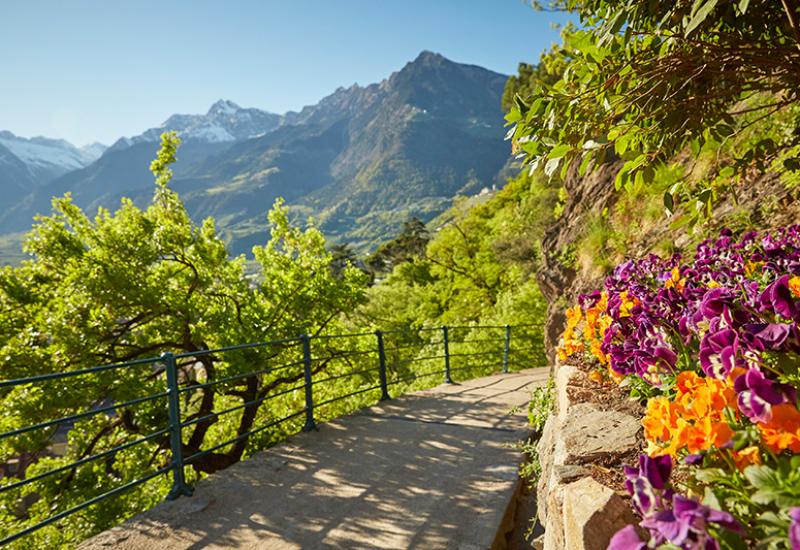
column 694, row 420
column 585, row 330
column 794, row 286
column 746, row 457
column 596, row 376
column 783, row 430
column 659, row 419
column 687, row 381
column 574, row 316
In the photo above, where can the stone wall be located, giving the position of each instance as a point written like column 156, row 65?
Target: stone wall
column 580, row 441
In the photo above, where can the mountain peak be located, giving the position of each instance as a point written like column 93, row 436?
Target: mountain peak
column 428, row 57
column 224, row 106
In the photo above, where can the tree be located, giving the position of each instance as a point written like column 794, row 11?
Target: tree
column 479, row 267
column 407, row 246
column 132, row 285
column 342, row 256
column 643, row 80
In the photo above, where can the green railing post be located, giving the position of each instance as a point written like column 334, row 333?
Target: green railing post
column 382, row 367
column 446, row 340
column 506, row 348
column 179, row 485
column 310, row 424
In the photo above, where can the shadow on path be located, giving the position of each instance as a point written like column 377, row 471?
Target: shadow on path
column 434, row 469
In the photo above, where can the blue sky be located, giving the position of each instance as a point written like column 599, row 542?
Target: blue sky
column 92, row 70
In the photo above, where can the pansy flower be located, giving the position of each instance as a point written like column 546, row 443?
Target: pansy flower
column 757, row 395
column 777, row 297
column 686, row 524
column 794, row 528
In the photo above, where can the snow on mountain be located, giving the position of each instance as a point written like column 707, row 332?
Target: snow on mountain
column 225, row 121
column 45, row 158
column 92, row 151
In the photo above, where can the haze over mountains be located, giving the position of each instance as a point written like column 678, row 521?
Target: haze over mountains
column 361, row 161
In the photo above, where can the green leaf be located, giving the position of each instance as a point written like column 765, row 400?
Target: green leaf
column 743, row 6
column 766, row 496
column 520, row 103
column 700, row 15
column 648, row 174
column 669, row 202
column 559, row 151
column 710, row 499
column 620, row 146
column 587, row 158
column 551, row 167
column 622, row 179
column 761, row 477
column 710, row 475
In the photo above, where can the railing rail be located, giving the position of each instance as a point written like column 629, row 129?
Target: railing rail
column 373, row 361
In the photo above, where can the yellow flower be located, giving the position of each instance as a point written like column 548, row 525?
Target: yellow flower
column 752, row 267
column 626, row 304
column 675, row 280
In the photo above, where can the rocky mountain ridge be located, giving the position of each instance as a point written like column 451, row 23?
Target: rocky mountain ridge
column 361, row 161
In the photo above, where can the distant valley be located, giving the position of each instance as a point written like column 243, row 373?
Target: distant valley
column 361, row 161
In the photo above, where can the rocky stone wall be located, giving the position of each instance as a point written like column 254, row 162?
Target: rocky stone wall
column 583, row 446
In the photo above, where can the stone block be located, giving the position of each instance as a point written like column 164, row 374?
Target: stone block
column 592, row 513
column 590, row 433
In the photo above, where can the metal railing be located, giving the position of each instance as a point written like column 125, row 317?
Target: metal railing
column 297, row 384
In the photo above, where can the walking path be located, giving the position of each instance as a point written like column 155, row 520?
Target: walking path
column 432, row 469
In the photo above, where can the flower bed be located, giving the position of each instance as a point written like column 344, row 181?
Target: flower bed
column 712, row 345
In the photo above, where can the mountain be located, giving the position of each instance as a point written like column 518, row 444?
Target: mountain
column 224, row 122
column 364, row 159
column 361, row 161
column 26, row 164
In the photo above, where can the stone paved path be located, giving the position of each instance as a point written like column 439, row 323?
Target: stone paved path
column 433, row 469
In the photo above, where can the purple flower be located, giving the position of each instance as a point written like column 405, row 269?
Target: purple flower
column 657, row 470
column 626, row 539
column 693, row 460
column 715, row 302
column 718, row 353
column 668, row 517
column 720, row 308
column 589, row 300
column 647, row 483
column 770, row 336
column 778, row 298
column 794, row 528
column 757, row 394
column 685, row 525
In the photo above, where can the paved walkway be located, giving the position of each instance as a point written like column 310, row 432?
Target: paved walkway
column 433, row 469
